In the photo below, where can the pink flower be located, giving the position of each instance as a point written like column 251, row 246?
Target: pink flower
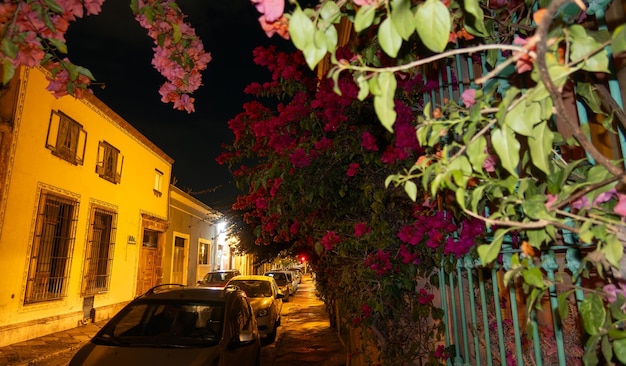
column 272, row 9
column 551, row 199
column 468, row 97
column 424, row 297
column 299, row 158
column 367, row 310
column 368, row 141
column 580, row 203
column 365, row 2
column 490, row 163
column 361, row 229
column 620, row 208
column 330, row 240
column 605, row 196
column 353, row 169
column 612, row 291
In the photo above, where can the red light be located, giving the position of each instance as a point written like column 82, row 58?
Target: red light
column 302, row 259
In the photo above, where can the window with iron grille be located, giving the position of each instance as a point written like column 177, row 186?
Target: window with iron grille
column 110, row 162
column 50, row 260
column 99, row 252
column 66, row 138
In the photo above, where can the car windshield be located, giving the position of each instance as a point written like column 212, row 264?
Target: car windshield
column 218, row 277
column 253, row 288
column 280, row 278
column 165, row 324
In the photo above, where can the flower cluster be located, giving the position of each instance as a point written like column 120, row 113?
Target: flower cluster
column 179, row 54
column 31, row 30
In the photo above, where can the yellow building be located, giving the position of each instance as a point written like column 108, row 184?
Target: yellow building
column 84, row 201
column 193, row 237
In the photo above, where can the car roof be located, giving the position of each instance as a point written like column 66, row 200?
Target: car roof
column 179, row 292
column 251, row 277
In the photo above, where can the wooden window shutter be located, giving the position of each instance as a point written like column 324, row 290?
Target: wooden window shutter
column 100, row 160
column 120, row 165
column 53, row 131
column 80, row 148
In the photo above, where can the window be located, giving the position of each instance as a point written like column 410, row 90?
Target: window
column 49, row 266
column 99, row 253
column 66, row 138
column 150, row 238
column 109, row 165
column 203, row 253
column 158, row 182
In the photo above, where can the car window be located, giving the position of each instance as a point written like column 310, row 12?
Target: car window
column 254, row 288
column 172, row 323
column 278, row 277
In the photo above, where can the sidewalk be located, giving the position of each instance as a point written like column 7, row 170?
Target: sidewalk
column 34, row 351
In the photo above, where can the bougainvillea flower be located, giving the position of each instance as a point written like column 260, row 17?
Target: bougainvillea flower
column 361, row 229
column 280, row 26
column 525, row 61
column 353, row 169
column 620, row 208
column 612, row 291
column 551, row 199
column 272, row 9
column 468, row 97
column 365, row 2
column 605, row 196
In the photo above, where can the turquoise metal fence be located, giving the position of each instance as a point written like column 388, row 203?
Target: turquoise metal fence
column 486, row 322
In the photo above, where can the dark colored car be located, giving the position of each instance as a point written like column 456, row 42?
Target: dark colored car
column 218, row 279
column 178, row 325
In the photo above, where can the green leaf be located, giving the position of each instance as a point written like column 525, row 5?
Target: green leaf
column 383, row 103
column 523, row 117
column 54, row 6
column 593, row 313
column 9, row 48
column 402, row 18
column 432, row 22
column 388, row 38
column 587, row 92
column 540, row 146
column 613, row 250
column 619, row 349
column 476, row 153
column 489, row 252
column 363, row 84
column 590, row 358
column 330, row 11
column 619, row 40
column 315, row 51
column 607, row 351
column 534, row 277
column 563, row 304
column 507, row 147
column 474, row 23
column 59, row 45
column 7, row 71
column 582, row 45
column 177, row 34
column 364, row 17
column 301, row 29
column 411, row 190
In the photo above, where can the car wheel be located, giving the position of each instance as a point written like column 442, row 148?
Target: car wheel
column 271, row 337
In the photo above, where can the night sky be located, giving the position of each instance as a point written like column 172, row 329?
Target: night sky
column 119, row 52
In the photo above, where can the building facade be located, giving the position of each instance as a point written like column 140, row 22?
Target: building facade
column 84, row 201
column 192, row 239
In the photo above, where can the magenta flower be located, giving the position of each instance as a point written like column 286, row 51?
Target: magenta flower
column 353, row 169
column 367, row 310
column 299, row 158
column 605, row 196
column 368, row 141
column 468, row 97
column 361, row 229
column 612, row 291
column 330, row 240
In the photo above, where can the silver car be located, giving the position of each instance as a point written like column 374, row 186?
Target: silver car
column 178, row 326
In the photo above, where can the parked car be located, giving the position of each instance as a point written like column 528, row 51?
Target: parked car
column 298, row 273
column 285, row 281
column 218, row 279
column 266, row 301
column 178, row 325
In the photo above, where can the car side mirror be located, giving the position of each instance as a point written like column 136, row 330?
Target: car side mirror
column 246, row 337
column 280, row 295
